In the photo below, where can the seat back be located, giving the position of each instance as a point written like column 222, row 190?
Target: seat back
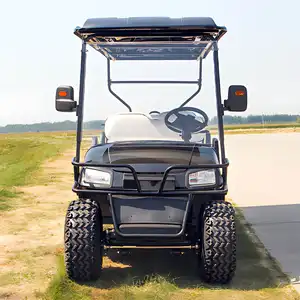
column 134, row 126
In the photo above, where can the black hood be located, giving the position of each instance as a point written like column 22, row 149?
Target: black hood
column 157, row 154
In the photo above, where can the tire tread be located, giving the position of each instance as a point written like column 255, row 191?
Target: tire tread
column 218, row 259
column 83, row 250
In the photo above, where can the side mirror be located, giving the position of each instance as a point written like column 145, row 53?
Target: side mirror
column 237, row 98
column 64, row 100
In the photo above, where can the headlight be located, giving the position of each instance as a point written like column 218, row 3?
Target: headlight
column 95, row 178
column 202, row 178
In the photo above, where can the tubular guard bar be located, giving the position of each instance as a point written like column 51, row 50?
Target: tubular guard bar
column 138, row 191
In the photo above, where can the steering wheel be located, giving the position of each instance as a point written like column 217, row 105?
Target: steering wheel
column 186, row 120
column 154, row 112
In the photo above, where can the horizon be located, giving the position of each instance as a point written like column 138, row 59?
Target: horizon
column 102, row 120
column 250, row 54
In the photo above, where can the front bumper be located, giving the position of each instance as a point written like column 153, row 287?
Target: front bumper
column 219, row 188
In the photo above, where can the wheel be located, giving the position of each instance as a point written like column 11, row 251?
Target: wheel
column 83, row 249
column 217, row 258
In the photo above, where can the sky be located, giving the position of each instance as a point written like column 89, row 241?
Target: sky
column 39, row 52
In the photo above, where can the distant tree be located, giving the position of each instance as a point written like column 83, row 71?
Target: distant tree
column 99, row 124
column 257, row 119
column 47, row 126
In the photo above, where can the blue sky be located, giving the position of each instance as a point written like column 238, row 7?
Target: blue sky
column 39, row 52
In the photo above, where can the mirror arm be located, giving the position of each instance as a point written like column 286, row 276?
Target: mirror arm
column 76, row 109
column 224, row 107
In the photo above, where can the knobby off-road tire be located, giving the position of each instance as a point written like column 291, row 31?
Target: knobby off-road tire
column 83, row 250
column 217, row 261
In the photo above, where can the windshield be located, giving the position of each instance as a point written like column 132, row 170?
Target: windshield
column 150, row 102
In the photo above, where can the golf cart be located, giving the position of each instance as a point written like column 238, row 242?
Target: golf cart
column 150, row 175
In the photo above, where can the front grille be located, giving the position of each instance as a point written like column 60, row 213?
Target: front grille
column 148, row 183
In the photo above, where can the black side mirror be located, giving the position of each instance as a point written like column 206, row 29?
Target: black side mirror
column 64, row 100
column 237, row 98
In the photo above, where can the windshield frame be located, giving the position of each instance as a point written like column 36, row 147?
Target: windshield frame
column 219, row 104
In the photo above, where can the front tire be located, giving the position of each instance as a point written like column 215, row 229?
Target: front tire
column 217, row 260
column 83, row 249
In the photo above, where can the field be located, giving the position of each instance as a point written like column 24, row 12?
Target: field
column 36, row 182
column 258, row 128
column 21, row 157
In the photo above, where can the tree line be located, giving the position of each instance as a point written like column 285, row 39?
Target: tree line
column 99, row 124
column 48, row 126
column 258, row 119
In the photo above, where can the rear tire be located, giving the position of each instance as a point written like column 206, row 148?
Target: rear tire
column 217, row 259
column 83, row 249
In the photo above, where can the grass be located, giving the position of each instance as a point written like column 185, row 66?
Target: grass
column 62, row 288
column 21, row 157
column 156, row 275
column 5, row 197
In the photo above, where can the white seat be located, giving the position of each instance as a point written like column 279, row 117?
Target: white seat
column 134, row 126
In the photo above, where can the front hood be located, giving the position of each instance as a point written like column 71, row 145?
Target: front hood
column 155, row 156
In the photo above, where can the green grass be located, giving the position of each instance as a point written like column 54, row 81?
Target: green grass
column 61, row 288
column 5, row 197
column 154, row 277
column 21, row 156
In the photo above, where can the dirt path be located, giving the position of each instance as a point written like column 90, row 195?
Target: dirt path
column 33, row 233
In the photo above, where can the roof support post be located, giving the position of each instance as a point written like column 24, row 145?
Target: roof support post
column 80, row 106
column 220, row 110
column 109, row 82
column 199, row 85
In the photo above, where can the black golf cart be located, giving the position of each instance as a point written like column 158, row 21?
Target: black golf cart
column 160, row 178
